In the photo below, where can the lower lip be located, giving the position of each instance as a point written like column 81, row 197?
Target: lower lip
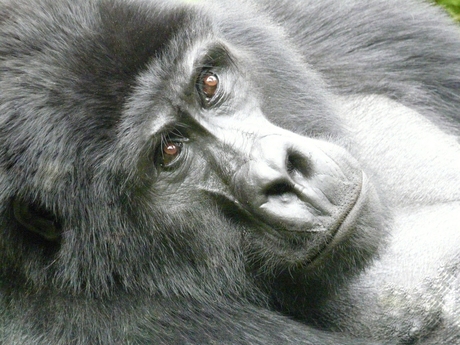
column 348, row 223
column 354, row 212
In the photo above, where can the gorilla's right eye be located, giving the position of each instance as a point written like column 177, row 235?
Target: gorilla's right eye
column 170, row 150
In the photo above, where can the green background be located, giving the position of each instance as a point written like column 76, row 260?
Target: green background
column 452, row 6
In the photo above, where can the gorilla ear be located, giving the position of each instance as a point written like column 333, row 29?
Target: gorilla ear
column 36, row 220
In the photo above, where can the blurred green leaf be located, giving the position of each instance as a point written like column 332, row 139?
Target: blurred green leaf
column 452, row 6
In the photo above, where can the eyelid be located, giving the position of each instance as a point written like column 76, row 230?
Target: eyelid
column 217, row 55
column 162, row 127
column 173, row 134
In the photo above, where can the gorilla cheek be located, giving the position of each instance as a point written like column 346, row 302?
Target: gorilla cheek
column 302, row 190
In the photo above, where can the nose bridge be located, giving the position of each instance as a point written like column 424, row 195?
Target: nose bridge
column 270, row 150
column 243, row 145
column 246, row 157
column 267, row 162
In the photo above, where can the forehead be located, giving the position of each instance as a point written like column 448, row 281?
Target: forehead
column 117, row 42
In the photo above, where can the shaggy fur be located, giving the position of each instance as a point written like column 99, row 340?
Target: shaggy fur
column 104, row 241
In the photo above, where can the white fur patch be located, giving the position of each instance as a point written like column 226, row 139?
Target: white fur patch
column 412, row 159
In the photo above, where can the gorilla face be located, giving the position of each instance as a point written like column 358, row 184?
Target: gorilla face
column 206, row 142
column 294, row 193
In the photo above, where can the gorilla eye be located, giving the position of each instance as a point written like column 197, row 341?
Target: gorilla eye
column 170, row 151
column 209, row 82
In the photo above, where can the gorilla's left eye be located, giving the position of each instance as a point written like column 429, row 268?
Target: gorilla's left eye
column 208, row 84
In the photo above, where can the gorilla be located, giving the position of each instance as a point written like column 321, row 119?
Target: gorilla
column 229, row 172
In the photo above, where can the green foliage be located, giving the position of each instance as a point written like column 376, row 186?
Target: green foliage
column 452, row 6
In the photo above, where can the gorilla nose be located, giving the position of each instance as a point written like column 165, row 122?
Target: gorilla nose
column 292, row 184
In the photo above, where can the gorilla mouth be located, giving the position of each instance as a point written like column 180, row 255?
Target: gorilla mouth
column 311, row 244
column 333, row 219
column 351, row 213
column 346, row 222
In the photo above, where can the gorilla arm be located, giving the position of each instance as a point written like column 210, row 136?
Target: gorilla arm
column 170, row 321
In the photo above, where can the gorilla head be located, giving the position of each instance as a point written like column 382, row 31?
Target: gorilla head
column 156, row 154
column 142, row 135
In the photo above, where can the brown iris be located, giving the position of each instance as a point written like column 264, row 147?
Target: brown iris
column 210, row 82
column 170, row 152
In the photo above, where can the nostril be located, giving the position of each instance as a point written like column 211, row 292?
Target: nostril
column 278, row 188
column 296, row 162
